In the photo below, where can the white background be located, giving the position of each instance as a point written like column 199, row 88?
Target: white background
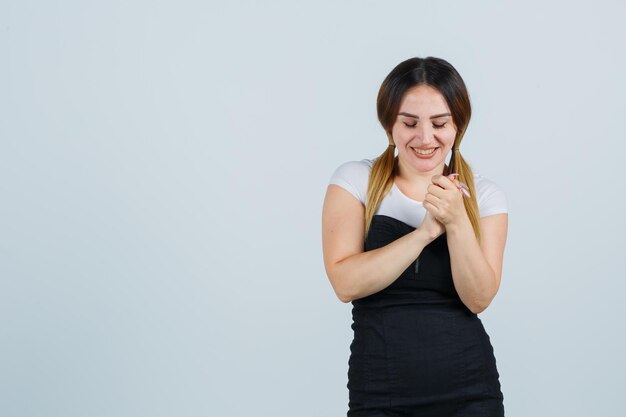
column 162, row 172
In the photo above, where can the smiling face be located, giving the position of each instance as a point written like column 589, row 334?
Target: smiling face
column 424, row 122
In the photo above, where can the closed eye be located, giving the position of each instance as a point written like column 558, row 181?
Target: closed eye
column 434, row 125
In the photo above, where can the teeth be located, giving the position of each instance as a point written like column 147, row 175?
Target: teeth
column 419, row 151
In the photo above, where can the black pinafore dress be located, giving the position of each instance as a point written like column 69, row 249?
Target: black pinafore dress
column 417, row 349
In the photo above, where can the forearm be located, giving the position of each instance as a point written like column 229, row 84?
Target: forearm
column 369, row 272
column 473, row 277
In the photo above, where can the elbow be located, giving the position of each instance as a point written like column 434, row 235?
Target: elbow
column 341, row 293
column 481, row 304
column 478, row 308
column 338, row 282
column 344, row 299
column 343, row 296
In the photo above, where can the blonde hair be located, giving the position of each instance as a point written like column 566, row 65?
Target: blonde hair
column 439, row 74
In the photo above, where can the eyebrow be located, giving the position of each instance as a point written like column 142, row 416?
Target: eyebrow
column 417, row 117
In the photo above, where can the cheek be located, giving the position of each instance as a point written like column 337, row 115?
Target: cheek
column 401, row 135
column 449, row 137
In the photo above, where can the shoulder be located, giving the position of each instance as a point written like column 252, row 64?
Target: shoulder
column 491, row 196
column 353, row 176
column 360, row 166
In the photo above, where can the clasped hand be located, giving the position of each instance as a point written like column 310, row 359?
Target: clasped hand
column 444, row 201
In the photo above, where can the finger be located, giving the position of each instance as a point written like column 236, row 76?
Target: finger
column 436, row 190
column 430, row 207
column 434, row 196
column 464, row 189
column 444, row 182
column 454, row 178
column 459, row 184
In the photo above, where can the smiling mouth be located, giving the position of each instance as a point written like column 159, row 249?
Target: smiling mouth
column 428, row 151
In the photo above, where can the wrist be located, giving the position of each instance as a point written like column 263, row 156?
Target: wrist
column 421, row 237
column 460, row 226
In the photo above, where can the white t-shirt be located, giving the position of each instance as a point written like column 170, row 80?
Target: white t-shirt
column 354, row 176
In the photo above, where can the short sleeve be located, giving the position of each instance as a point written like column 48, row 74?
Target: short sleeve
column 491, row 197
column 353, row 176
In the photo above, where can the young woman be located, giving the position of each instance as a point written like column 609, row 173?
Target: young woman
column 418, row 252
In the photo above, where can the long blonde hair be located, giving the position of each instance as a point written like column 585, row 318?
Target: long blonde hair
column 439, row 74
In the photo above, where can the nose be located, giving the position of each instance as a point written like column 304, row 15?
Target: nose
column 424, row 133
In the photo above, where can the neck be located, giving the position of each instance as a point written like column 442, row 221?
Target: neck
column 420, row 179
